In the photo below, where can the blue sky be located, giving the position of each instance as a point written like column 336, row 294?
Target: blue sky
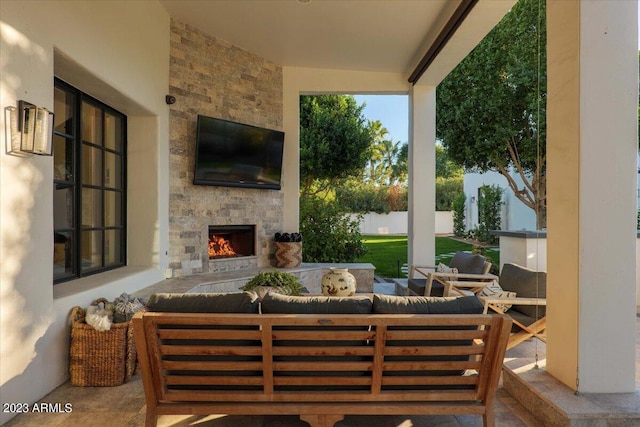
column 391, row 110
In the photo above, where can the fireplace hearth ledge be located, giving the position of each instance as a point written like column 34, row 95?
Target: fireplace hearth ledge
column 309, row 274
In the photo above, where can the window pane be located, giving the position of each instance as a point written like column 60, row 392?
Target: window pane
column 112, row 209
column 62, row 206
column 112, row 239
column 91, row 165
column 62, row 254
column 112, row 170
column 63, row 111
column 62, row 158
column 91, row 249
column 113, row 132
column 91, row 124
column 91, row 208
column 89, row 194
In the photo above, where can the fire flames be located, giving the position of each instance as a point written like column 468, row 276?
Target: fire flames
column 220, row 247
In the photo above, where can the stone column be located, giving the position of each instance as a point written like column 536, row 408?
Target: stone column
column 592, row 189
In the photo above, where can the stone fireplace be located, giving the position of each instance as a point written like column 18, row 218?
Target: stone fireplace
column 231, row 241
column 213, row 78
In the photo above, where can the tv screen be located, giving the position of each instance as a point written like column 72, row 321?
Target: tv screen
column 237, row 155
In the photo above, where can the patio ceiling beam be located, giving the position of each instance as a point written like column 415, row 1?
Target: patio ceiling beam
column 454, row 22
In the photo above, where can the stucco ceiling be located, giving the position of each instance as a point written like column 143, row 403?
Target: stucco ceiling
column 385, row 36
column 363, row 35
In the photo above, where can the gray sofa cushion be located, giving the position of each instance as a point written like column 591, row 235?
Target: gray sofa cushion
column 468, row 263
column 525, row 283
column 390, row 304
column 288, row 304
column 236, row 302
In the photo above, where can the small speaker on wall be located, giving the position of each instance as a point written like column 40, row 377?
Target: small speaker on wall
column 170, row 99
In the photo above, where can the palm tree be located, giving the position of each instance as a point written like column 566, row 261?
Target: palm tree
column 393, row 161
column 378, row 135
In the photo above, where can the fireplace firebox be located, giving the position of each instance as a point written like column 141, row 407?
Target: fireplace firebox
column 231, row 241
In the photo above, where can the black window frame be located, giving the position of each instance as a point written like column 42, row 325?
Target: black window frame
column 78, row 143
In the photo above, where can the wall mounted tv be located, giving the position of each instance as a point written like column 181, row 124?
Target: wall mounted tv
column 237, row 155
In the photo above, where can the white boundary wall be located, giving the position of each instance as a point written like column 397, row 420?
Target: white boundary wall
column 397, row 223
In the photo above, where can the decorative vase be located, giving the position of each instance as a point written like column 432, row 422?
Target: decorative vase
column 288, row 254
column 338, row 282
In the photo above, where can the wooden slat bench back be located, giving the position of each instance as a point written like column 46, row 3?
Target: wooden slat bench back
column 320, row 367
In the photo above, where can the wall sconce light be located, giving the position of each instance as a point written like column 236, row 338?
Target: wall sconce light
column 30, row 129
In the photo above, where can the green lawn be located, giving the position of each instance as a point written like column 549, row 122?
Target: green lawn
column 389, row 253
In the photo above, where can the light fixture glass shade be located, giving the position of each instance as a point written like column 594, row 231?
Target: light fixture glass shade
column 27, row 125
column 12, row 135
column 29, row 129
column 43, row 134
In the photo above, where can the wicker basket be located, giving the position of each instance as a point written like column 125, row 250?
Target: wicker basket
column 100, row 358
column 288, row 254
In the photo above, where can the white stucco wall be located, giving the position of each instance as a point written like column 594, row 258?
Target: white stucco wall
column 118, row 52
column 515, row 215
column 398, row 223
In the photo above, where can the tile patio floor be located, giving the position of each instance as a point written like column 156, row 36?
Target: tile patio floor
column 123, row 406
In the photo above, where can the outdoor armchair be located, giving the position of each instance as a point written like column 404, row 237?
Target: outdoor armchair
column 469, row 277
column 528, row 308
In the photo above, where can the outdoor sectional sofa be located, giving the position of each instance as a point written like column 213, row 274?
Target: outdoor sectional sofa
column 319, row 357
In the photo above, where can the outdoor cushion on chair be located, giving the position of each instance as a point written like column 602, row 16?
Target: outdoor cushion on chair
column 525, row 283
column 417, row 286
column 468, row 263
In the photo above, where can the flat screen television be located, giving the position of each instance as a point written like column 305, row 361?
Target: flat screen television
column 237, row 155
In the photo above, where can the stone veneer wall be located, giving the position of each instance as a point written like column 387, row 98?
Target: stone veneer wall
column 214, row 78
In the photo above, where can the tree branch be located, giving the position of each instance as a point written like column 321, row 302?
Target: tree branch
column 518, row 165
column 523, row 195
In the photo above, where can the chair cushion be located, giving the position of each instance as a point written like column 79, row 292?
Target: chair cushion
column 526, row 283
column 441, row 268
column 418, row 286
column 468, row 263
column 392, row 304
column 288, row 304
column 494, row 290
column 235, row 302
column 520, row 317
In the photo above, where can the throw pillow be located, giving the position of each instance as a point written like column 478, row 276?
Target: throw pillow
column 441, row 268
column 494, row 290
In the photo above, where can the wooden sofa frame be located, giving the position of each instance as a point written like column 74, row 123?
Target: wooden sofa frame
column 320, row 367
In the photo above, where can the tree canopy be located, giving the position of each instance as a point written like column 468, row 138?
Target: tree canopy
column 445, row 167
column 491, row 108
column 335, row 139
